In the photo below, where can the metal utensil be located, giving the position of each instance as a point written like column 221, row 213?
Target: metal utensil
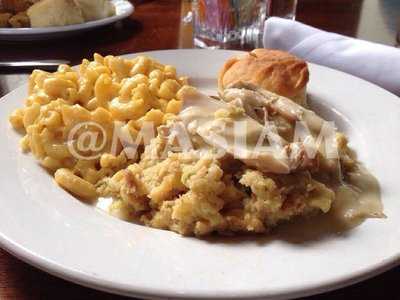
column 49, row 65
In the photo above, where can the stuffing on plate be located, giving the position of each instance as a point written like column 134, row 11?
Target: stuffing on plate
column 198, row 190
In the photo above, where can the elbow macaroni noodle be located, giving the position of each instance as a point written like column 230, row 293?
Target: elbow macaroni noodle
column 97, row 94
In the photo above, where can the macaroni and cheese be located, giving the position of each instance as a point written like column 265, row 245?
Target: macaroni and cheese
column 92, row 98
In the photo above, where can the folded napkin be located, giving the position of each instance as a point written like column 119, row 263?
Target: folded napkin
column 373, row 62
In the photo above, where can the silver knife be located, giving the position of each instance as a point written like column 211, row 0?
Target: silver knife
column 46, row 64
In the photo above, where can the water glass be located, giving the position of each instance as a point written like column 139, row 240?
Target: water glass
column 228, row 23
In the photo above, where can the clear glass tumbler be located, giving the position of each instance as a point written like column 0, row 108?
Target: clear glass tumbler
column 228, row 23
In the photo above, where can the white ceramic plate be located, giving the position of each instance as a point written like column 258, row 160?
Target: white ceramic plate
column 45, row 226
column 123, row 10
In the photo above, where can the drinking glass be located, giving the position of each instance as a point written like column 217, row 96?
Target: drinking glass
column 228, row 23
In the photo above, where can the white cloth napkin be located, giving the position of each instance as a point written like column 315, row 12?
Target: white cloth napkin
column 373, row 62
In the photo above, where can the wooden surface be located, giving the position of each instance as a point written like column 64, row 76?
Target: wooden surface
column 156, row 25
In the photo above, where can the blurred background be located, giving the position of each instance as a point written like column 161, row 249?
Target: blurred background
column 157, row 24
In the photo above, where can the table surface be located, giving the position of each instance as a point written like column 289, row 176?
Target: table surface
column 157, row 25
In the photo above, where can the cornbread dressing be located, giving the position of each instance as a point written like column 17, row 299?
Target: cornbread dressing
column 197, row 191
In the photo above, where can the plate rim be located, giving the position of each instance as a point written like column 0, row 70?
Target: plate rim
column 86, row 280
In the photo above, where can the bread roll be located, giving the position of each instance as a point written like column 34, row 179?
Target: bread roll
column 48, row 13
column 4, row 18
column 96, row 9
column 19, row 20
column 15, row 6
column 273, row 70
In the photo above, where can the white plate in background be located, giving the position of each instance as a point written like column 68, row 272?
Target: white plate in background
column 45, row 226
column 123, row 10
